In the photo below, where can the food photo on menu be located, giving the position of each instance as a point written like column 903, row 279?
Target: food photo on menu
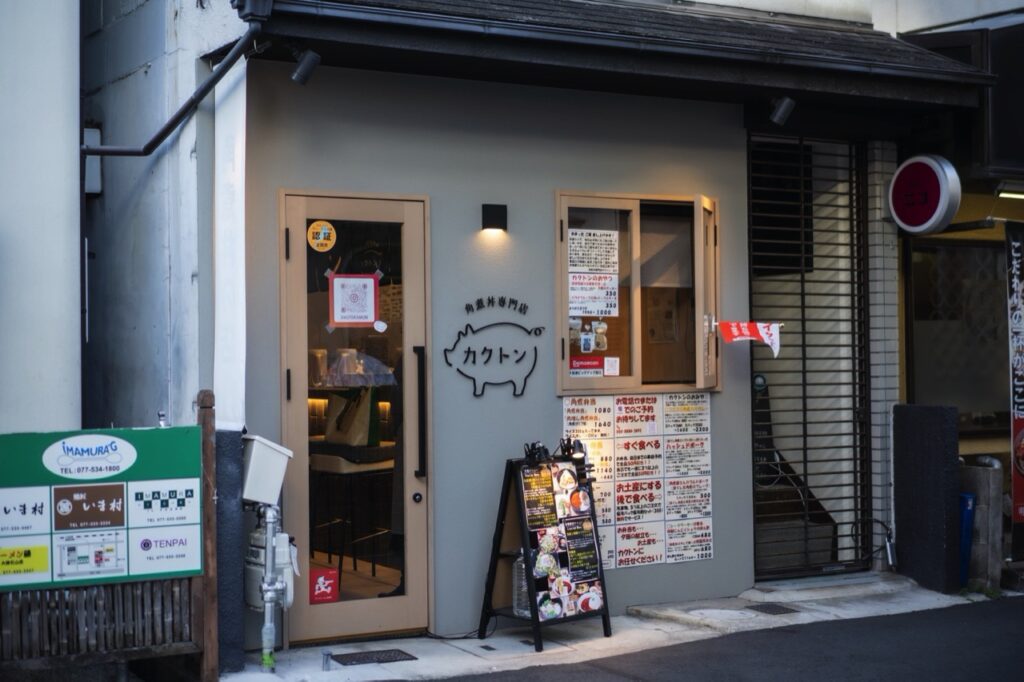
column 548, row 607
column 560, row 585
column 545, row 565
column 588, row 597
column 551, row 540
column 579, row 501
column 564, row 478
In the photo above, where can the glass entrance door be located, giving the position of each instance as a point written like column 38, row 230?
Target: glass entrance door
column 352, row 345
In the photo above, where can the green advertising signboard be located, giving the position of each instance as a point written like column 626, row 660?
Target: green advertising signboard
column 85, row 507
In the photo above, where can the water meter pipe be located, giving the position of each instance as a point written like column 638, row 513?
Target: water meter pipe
column 273, row 588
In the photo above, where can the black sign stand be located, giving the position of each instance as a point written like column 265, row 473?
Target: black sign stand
column 515, row 536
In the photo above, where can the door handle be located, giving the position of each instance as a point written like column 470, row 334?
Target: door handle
column 421, row 401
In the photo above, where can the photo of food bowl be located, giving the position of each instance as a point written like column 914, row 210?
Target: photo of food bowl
column 546, row 565
column 579, row 500
column 590, row 601
column 548, row 542
column 565, row 479
column 563, row 506
column 547, row 607
column 561, row 586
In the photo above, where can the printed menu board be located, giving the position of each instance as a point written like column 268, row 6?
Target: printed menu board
column 652, row 469
column 566, row 571
column 593, row 273
column 539, row 497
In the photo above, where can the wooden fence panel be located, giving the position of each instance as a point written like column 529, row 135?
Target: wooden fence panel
column 97, row 619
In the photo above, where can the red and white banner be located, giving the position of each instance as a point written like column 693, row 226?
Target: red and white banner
column 766, row 332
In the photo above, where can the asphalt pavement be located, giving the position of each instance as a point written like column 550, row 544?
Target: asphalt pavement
column 976, row 641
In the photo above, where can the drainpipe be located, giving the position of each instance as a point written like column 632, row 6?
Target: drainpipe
column 190, row 105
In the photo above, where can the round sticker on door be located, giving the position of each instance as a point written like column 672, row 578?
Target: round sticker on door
column 321, row 236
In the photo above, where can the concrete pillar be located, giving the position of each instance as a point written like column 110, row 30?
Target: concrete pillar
column 40, row 306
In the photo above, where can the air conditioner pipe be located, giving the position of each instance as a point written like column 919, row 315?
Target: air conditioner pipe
column 187, row 108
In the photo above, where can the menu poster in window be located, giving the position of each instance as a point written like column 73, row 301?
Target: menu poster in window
column 593, row 295
column 539, row 497
column 587, row 418
column 688, row 498
column 606, row 535
column 601, row 455
column 687, row 413
column 637, row 501
column 652, row 488
column 638, row 458
column 594, row 251
column 637, row 415
column 604, row 502
column 639, row 544
column 688, row 455
column 688, row 540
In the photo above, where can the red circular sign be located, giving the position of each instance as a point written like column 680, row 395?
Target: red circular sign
column 915, row 193
column 924, row 194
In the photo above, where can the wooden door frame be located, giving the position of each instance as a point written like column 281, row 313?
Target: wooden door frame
column 427, row 428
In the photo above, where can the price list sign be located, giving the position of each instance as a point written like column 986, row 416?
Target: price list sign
column 539, row 498
column 652, row 471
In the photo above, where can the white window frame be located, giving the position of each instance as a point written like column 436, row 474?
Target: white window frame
column 706, row 287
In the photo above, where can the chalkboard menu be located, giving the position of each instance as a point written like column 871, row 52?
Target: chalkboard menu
column 546, row 517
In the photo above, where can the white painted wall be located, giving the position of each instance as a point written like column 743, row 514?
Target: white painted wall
column 150, row 228
column 464, row 143
column 229, row 310
column 40, row 357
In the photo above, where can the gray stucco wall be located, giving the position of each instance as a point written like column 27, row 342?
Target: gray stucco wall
column 465, row 143
column 149, row 229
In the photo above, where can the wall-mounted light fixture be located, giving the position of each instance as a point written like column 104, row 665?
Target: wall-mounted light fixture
column 494, row 217
column 307, row 61
column 782, row 107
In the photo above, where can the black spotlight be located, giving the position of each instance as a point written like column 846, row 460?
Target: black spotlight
column 781, row 109
column 307, row 61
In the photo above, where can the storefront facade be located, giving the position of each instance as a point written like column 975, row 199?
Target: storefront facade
column 624, row 146
column 354, row 146
column 430, row 142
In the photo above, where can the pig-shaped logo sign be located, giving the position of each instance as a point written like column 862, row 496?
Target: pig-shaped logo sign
column 499, row 353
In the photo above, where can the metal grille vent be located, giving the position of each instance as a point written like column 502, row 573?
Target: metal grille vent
column 379, row 656
column 808, row 269
column 771, row 609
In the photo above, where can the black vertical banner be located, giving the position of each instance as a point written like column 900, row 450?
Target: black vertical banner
column 1015, row 312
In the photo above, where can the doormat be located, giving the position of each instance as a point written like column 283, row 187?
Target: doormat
column 771, row 609
column 381, row 656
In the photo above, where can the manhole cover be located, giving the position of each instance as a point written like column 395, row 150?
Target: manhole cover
column 771, row 609
column 382, row 656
